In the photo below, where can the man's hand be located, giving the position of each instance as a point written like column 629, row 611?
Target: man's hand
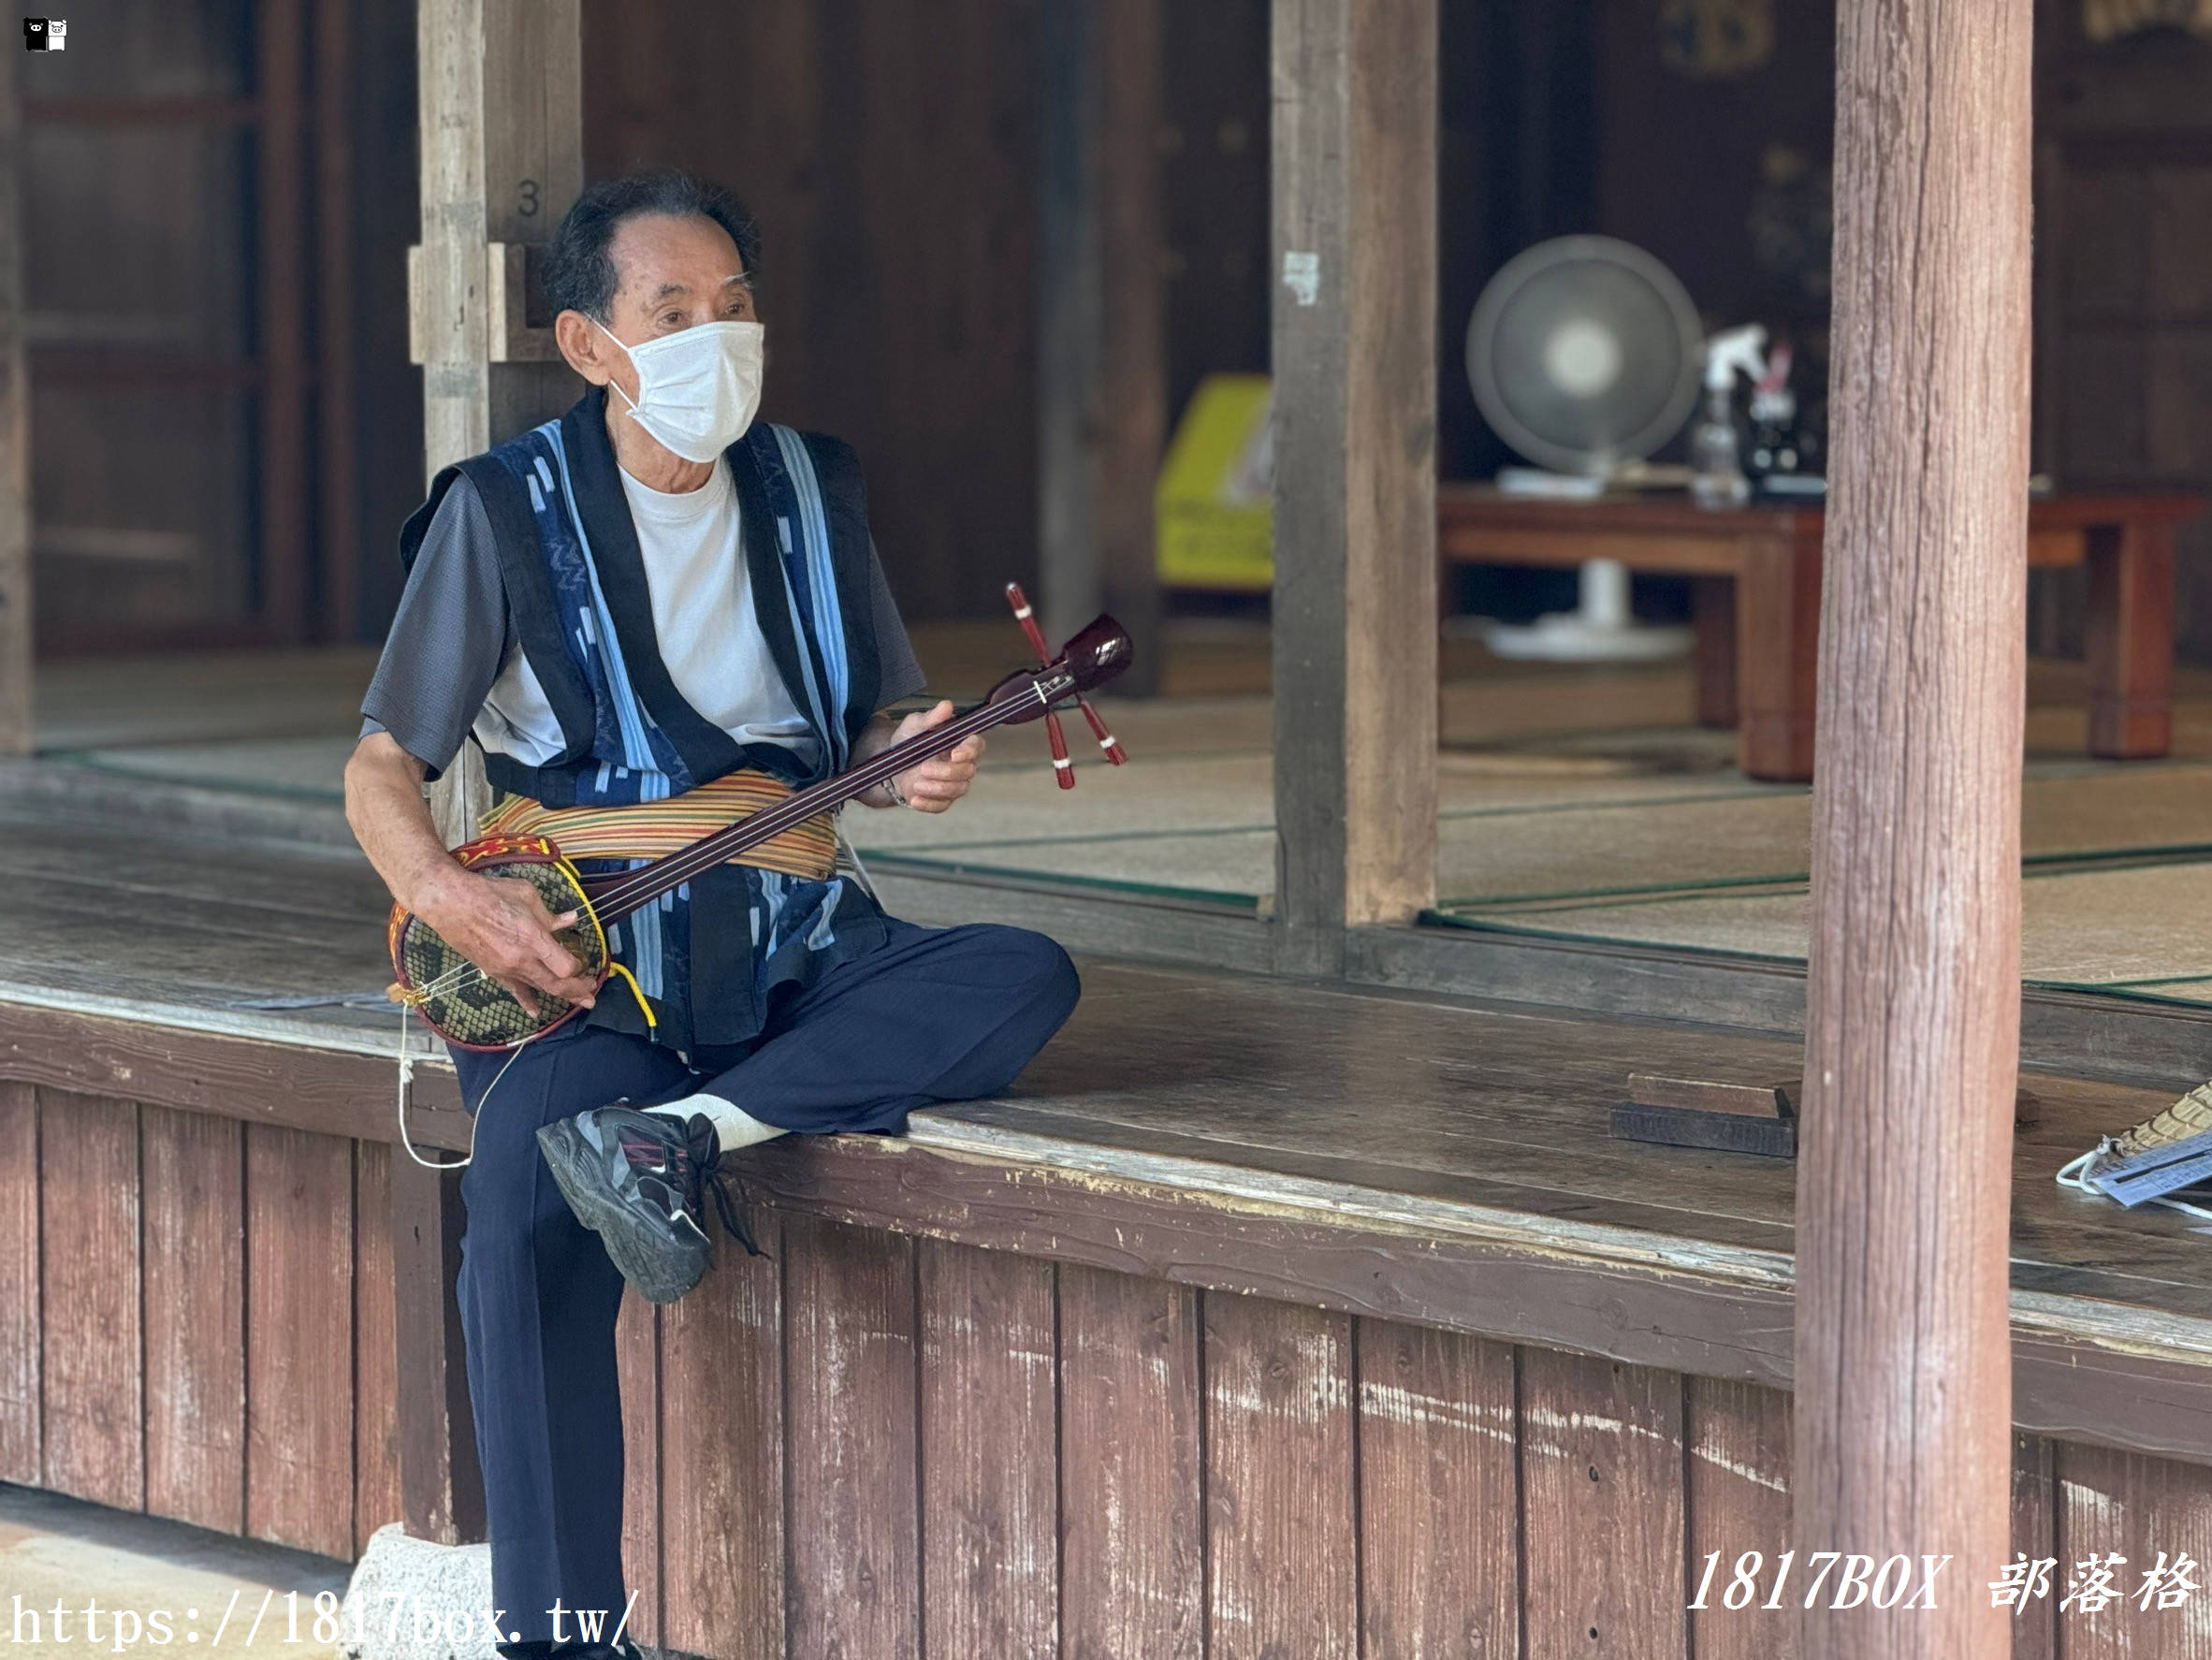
column 500, row 924
column 497, row 921
column 934, row 785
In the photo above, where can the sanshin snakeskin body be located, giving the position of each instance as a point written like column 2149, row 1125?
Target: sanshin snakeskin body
column 471, row 1009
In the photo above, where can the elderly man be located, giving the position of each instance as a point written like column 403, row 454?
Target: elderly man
column 655, row 597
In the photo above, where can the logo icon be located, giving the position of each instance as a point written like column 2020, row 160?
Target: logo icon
column 45, row 34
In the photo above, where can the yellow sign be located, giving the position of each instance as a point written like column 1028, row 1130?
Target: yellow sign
column 2109, row 19
column 1213, row 507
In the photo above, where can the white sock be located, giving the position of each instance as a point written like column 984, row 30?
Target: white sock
column 734, row 1126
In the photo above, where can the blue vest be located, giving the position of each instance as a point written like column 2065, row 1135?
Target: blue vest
column 707, row 956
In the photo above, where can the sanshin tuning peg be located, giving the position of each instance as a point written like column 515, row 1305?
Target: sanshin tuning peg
column 1026, row 615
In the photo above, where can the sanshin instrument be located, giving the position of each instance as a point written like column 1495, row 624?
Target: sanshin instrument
column 468, row 1009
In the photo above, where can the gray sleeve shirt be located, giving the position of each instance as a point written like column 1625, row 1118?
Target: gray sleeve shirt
column 453, row 635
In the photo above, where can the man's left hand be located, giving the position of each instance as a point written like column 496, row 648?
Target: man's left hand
column 934, row 785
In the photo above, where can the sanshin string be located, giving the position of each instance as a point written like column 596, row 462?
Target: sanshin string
column 626, row 895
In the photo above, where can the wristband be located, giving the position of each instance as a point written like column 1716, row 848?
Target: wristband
column 891, row 790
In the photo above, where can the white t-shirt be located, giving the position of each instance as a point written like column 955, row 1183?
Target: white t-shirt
column 703, row 617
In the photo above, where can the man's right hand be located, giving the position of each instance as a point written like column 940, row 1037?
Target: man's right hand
column 497, row 921
column 500, row 924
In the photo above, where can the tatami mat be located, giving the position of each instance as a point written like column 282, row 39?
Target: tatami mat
column 2142, row 928
column 300, row 768
column 194, row 697
column 1575, row 803
column 1205, row 828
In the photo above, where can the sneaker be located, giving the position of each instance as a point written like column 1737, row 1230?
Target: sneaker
column 640, row 1181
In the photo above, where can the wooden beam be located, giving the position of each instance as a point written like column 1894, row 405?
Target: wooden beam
column 503, row 157
column 1904, row 1381
column 1101, row 364
column 299, row 1085
column 283, row 286
column 1355, row 416
column 15, row 436
column 338, row 524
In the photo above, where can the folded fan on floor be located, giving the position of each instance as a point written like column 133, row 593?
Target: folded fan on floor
column 2155, row 1161
column 467, row 1008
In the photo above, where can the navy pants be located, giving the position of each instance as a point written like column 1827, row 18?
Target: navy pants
column 933, row 1014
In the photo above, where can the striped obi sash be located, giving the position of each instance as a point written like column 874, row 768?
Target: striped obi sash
column 649, row 829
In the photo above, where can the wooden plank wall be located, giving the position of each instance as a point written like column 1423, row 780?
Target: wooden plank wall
column 889, row 149
column 197, row 1319
column 982, row 1454
column 869, row 1443
column 2124, row 290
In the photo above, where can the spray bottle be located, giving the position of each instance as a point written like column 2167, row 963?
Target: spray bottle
column 1716, row 464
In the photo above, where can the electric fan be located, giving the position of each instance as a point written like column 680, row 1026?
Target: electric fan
column 1585, row 354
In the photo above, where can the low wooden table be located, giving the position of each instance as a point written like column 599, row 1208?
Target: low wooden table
column 1755, row 573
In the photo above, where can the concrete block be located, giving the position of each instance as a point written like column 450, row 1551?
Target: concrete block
column 411, row 1599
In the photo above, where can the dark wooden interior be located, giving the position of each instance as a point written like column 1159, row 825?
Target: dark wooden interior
column 1756, row 582
column 909, row 323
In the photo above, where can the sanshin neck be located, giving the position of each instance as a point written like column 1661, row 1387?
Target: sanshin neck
column 633, row 890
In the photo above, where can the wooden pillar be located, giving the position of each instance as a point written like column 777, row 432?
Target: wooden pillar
column 1101, row 362
column 1903, row 1370
column 15, row 435
column 2129, row 632
column 337, row 304
column 502, row 137
column 1355, row 497
column 503, row 157
column 283, row 287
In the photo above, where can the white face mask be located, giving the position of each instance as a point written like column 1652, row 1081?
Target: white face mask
column 698, row 389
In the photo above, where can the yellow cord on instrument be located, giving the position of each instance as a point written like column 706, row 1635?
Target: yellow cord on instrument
column 411, row 998
column 605, row 952
column 636, row 991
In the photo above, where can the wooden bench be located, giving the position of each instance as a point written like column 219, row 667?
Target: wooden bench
column 1755, row 575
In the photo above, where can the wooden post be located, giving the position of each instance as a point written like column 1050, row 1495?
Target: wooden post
column 1355, row 420
column 503, row 157
column 2129, row 632
column 15, row 435
column 1903, row 1375
column 503, row 133
column 337, row 459
column 282, row 284
column 1102, row 365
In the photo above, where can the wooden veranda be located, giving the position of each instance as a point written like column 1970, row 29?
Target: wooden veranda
column 1266, row 1317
